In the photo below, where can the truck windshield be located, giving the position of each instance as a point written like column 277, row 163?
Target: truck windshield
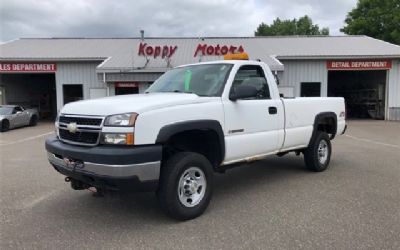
column 202, row 80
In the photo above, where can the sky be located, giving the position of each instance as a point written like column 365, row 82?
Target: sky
column 171, row 18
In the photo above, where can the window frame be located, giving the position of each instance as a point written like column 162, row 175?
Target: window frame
column 259, row 70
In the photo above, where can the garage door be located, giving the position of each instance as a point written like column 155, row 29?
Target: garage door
column 30, row 90
column 363, row 85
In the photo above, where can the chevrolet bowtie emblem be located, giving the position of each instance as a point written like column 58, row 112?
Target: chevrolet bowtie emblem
column 72, row 127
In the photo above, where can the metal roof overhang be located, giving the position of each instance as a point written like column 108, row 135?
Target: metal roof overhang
column 131, row 70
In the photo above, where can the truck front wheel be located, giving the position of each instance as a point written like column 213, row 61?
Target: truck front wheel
column 185, row 186
column 318, row 153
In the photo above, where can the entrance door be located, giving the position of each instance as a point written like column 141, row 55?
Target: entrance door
column 72, row 93
column 252, row 124
column 126, row 88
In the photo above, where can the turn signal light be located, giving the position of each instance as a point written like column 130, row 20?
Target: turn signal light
column 130, row 139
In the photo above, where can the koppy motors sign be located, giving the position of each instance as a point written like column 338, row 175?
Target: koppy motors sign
column 217, row 50
column 156, row 51
column 167, row 51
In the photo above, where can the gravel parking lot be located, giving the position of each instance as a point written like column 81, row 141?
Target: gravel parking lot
column 272, row 204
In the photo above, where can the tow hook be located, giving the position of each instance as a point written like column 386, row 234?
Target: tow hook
column 76, row 185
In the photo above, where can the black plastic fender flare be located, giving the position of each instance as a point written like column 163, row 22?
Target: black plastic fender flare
column 319, row 118
column 168, row 131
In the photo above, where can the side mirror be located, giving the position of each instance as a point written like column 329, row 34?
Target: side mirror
column 243, row 91
column 19, row 112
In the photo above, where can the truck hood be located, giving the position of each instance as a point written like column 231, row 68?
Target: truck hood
column 138, row 103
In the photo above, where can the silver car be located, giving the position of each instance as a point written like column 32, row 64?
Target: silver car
column 13, row 116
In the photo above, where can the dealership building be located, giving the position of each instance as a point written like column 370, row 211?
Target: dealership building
column 49, row 72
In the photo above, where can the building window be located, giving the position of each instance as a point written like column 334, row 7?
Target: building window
column 310, row 89
column 72, row 93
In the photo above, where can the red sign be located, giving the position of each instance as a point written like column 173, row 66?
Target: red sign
column 28, row 67
column 359, row 65
column 155, row 51
column 126, row 84
column 217, row 50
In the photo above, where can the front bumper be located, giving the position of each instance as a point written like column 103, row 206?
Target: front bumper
column 108, row 167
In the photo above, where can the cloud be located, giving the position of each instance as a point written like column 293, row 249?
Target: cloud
column 124, row 18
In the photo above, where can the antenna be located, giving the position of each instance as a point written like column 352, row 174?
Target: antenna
column 142, row 35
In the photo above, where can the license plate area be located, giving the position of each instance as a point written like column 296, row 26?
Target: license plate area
column 73, row 164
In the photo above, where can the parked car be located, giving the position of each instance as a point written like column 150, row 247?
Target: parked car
column 13, row 116
column 193, row 121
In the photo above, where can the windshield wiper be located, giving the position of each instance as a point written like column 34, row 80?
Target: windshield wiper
column 179, row 91
column 174, row 91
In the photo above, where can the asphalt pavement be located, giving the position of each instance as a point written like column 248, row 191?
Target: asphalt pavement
column 271, row 204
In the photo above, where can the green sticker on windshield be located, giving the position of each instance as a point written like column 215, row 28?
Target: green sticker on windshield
column 188, row 77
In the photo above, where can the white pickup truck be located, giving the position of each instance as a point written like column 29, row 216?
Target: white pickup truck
column 193, row 121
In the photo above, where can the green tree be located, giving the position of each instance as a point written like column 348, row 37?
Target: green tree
column 376, row 18
column 301, row 26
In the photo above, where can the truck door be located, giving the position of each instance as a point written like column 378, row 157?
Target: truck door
column 251, row 124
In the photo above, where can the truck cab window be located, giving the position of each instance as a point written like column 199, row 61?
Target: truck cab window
column 252, row 75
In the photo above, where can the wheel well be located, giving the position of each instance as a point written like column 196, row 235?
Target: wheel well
column 327, row 124
column 205, row 142
column 5, row 121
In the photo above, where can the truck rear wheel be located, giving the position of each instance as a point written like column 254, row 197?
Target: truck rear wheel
column 318, row 153
column 186, row 184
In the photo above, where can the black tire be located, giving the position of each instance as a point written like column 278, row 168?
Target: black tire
column 318, row 153
column 33, row 121
column 5, row 126
column 171, row 176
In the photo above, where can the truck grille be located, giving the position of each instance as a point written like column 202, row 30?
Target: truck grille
column 79, row 137
column 81, row 120
column 86, row 131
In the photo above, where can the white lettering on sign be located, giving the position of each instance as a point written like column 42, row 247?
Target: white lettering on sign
column 28, row 67
column 369, row 64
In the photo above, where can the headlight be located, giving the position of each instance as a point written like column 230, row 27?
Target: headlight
column 117, row 139
column 121, row 120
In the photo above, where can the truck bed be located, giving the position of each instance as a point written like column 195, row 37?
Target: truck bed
column 300, row 114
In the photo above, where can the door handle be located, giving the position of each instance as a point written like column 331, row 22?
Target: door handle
column 272, row 110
